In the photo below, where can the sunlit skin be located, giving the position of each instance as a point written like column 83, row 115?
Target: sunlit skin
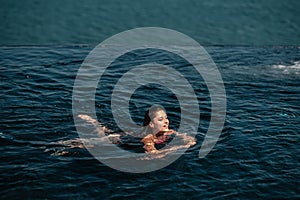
column 160, row 122
column 160, row 131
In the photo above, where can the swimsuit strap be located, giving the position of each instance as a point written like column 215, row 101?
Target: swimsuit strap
column 159, row 141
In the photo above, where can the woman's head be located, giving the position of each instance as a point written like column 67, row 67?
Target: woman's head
column 157, row 119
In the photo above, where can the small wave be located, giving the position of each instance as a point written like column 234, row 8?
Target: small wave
column 294, row 68
column 289, row 113
column 6, row 136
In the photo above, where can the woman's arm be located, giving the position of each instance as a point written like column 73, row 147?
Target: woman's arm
column 100, row 128
column 162, row 153
column 153, row 153
column 188, row 140
column 149, row 144
column 102, row 131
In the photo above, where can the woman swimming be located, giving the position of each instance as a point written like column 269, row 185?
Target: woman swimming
column 155, row 128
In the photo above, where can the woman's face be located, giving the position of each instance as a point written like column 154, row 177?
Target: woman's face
column 160, row 122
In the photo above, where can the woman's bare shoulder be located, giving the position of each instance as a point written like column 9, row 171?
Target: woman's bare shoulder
column 148, row 138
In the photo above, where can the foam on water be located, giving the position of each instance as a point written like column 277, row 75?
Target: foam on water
column 294, row 68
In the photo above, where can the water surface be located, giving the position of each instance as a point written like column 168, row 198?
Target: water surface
column 257, row 155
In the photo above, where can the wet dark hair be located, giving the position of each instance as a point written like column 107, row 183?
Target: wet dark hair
column 147, row 119
column 150, row 113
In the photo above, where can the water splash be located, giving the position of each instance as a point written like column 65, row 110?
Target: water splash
column 294, row 68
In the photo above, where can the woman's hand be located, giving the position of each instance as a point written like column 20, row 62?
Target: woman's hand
column 188, row 139
column 192, row 141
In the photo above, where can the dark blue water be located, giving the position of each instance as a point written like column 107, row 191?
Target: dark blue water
column 233, row 22
column 256, row 157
